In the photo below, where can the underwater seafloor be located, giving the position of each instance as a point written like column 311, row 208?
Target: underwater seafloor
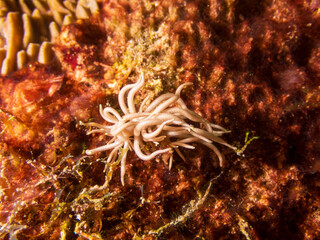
column 255, row 69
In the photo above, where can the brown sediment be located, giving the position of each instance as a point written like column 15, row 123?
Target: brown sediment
column 254, row 68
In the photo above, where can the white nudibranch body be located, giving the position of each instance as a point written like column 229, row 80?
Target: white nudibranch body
column 165, row 122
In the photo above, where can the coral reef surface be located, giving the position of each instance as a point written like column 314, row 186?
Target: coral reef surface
column 254, row 69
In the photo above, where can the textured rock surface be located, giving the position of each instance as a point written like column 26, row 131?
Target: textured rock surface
column 254, row 67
